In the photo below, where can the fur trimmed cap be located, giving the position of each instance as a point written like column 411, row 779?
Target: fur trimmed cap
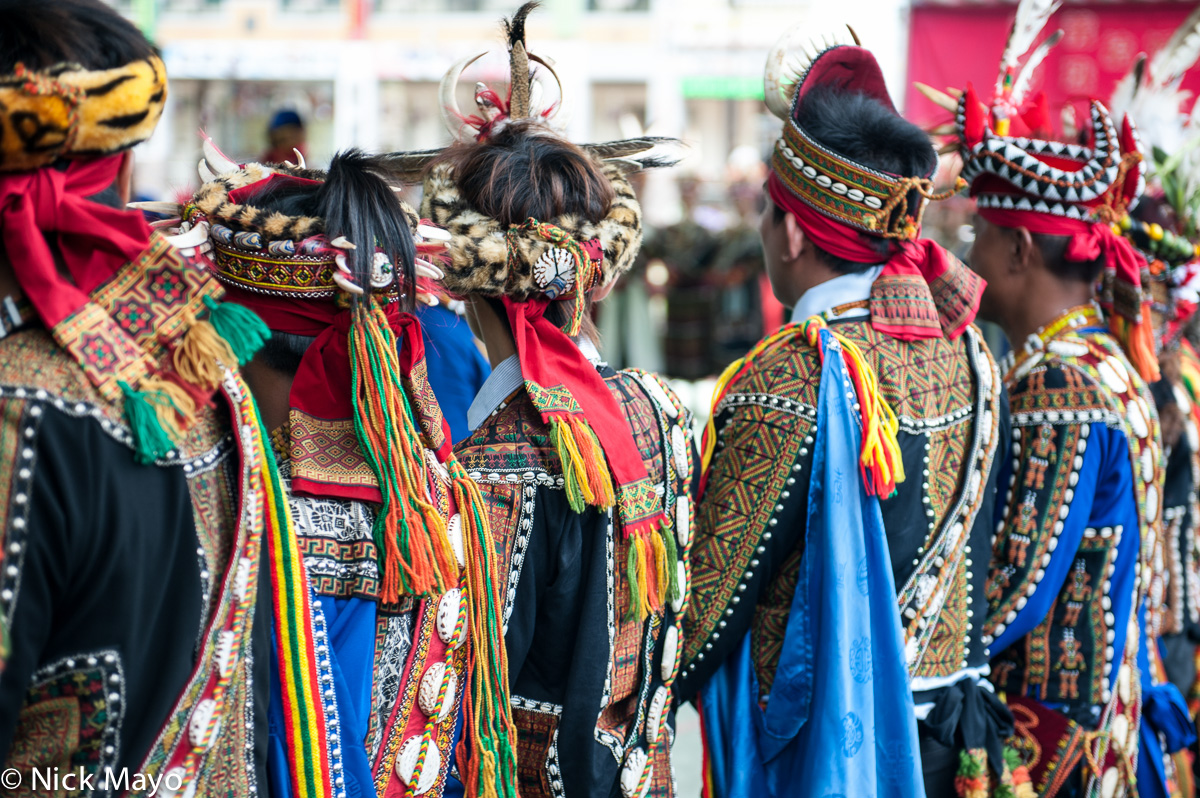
column 70, row 111
column 479, row 261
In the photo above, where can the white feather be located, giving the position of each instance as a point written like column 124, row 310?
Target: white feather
column 1025, row 77
column 1180, row 52
column 1031, row 18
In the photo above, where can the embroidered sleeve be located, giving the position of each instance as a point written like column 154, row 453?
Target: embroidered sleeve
column 1055, row 462
column 752, row 516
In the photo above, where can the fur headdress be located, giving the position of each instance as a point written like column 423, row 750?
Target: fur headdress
column 72, row 111
column 535, row 262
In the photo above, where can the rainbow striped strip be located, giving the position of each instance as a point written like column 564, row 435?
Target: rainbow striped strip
column 303, row 707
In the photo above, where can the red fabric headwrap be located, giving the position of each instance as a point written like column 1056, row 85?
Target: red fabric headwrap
column 555, row 367
column 1130, row 315
column 909, row 264
column 323, row 386
column 95, row 240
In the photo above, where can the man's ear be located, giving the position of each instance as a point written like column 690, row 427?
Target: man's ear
column 1024, row 252
column 795, row 240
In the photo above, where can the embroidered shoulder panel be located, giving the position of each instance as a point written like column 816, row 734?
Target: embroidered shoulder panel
column 513, row 445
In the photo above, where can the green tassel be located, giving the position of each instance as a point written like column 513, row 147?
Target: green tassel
column 570, row 482
column 631, row 575
column 668, row 537
column 241, row 328
column 150, row 440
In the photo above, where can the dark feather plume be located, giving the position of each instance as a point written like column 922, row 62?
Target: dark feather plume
column 514, row 29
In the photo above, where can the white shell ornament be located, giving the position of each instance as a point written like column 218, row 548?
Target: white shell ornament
column 681, row 571
column 683, row 521
column 670, row 653
column 382, row 271
column 198, row 725
column 554, row 272
column 431, row 685
column 407, row 765
column 1120, row 732
column 679, row 449
column 1150, row 505
column 1137, row 420
column 1110, row 375
column 1125, row 684
column 454, row 531
column 658, row 706
column 636, row 762
column 1109, row 783
column 447, row 618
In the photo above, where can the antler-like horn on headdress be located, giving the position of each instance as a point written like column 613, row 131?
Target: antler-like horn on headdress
column 780, row 77
column 447, row 102
column 518, row 58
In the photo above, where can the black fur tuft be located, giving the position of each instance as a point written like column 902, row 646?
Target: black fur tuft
column 514, row 29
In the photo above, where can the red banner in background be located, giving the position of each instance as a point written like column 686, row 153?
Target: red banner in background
column 950, row 45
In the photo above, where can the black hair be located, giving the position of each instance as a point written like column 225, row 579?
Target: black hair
column 356, row 202
column 43, row 33
column 283, row 351
column 521, row 171
column 1054, row 250
column 864, row 130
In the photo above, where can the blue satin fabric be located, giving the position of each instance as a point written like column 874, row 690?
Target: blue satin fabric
column 839, row 720
column 350, row 630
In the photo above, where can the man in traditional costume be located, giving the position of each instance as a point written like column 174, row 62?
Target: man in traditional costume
column 137, row 491
column 586, row 472
column 819, row 587
column 387, row 624
column 1073, row 555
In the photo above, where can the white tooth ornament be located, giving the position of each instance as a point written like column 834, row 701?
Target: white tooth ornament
column 156, row 206
column 426, row 269
column 206, row 174
column 217, row 160
column 299, row 158
column 191, row 238
column 339, row 260
column 161, row 223
column 346, row 285
column 433, row 233
column 341, row 242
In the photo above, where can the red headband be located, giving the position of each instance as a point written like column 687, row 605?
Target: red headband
column 1129, row 318
column 923, row 292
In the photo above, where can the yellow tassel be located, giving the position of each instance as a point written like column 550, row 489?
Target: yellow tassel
column 659, row 552
column 595, row 464
column 174, row 407
column 642, row 597
column 199, row 356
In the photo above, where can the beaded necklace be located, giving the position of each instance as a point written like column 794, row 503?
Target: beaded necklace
column 1035, row 344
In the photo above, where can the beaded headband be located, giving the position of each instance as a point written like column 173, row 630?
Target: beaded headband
column 67, row 110
column 848, row 192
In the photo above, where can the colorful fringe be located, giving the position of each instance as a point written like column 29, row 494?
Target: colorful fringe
column 416, row 556
column 1137, row 340
column 586, row 479
column 880, row 462
column 487, row 759
column 305, row 735
column 974, row 781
